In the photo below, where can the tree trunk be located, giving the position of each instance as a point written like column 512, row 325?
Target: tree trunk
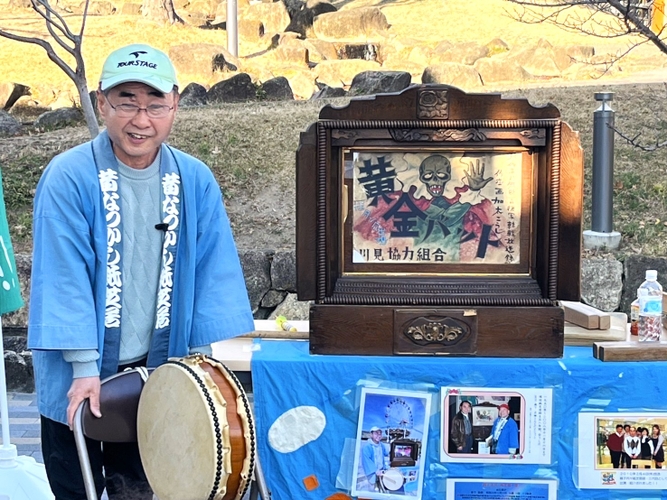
column 160, row 10
column 87, row 107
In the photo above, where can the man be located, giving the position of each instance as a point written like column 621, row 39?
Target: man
column 615, row 445
column 461, row 433
column 373, row 455
column 504, row 439
column 631, row 447
column 134, row 262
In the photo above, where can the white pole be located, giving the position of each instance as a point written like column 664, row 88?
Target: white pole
column 3, row 395
column 21, row 478
column 232, row 28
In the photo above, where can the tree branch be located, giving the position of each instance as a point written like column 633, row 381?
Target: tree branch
column 634, row 141
column 46, row 46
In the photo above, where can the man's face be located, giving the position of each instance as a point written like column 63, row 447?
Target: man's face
column 619, row 429
column 136, row 140
column 376, row 436
column 503, row 412
column 465, row 408
column 633, row 431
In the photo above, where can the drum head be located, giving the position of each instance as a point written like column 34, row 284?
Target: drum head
column 392, row 479
column 179, row 431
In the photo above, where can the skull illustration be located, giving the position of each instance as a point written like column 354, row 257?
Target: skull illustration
column 435, row 171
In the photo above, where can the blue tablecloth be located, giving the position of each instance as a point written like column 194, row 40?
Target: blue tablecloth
column 285, row 376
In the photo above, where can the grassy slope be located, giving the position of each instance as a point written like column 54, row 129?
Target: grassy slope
column 251, row 147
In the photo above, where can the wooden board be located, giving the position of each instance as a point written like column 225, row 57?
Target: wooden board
column 630, row 350
column 580, row 336
column 530, row 332
column 587, row 316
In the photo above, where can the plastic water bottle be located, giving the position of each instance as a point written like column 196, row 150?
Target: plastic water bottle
column 650, row 308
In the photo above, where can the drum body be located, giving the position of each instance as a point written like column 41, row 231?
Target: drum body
column 195, row 431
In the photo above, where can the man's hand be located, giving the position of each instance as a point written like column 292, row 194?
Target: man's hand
column 83, row 388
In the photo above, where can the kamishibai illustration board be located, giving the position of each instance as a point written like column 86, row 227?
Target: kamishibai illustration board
column 439, row 223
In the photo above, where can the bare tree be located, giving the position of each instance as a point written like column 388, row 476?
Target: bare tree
column 599, row 18
column 71, row 43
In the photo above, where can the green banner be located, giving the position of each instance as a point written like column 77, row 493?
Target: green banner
column 10, row 291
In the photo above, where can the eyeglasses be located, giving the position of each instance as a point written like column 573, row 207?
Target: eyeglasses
column 131, row 110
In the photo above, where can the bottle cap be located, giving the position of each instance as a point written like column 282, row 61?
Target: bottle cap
column 651, row 274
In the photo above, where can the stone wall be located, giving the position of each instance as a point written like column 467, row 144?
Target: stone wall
column 607, row 283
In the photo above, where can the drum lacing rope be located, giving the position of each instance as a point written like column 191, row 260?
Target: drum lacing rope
column 216, row 425
column 251, row 429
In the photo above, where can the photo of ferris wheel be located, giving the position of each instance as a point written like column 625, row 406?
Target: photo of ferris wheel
column 391, row 443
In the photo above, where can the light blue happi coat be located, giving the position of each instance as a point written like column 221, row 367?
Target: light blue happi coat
column 203, row 290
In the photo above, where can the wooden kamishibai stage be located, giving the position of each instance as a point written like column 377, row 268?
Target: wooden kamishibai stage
column 437, row 222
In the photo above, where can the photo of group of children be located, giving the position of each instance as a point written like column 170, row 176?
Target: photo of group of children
column 478, row 425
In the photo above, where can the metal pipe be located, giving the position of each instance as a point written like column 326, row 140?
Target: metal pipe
column 232, row 28
column 602, row 216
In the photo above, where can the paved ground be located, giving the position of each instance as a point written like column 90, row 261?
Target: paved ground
column 24, row 424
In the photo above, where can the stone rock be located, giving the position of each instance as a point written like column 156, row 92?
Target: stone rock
column 283, row 271
column 497, row 46
column 18, row 370
column 193, row 94
column 273, row 16
column 341, row 73
column 10, row 93
column 580, row 53
column 18, row 344
column 379, row 82
column 302, row 18
column 353, row 25
column 302, row 81
column 366, row 51
column 238, row 88
column 499, row 69
column 98, row 8
column 319, row 50
column 634, row 269
column 292, row 53
column 602, row 283
column 327, row 92
column 292, row 309
column 201, row 59
column 20, row 4
column 463, row 53
column 458, row 75
column 250, row 30
column 59, row 118
column 273, row 298
column 205, row 8
column 8, row 124
column 131, row 9
column 422, row 55
column 256, row 267
column 539, row 61
column 277, row 89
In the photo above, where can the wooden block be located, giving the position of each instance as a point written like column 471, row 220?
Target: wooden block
column 580, row 336
column 587, row 316
column 630, row 351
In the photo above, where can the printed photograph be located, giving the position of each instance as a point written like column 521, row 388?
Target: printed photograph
column 494, row 489
column 486, row 425
column 622, row 450
column 437, row 207
column 391, row 444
